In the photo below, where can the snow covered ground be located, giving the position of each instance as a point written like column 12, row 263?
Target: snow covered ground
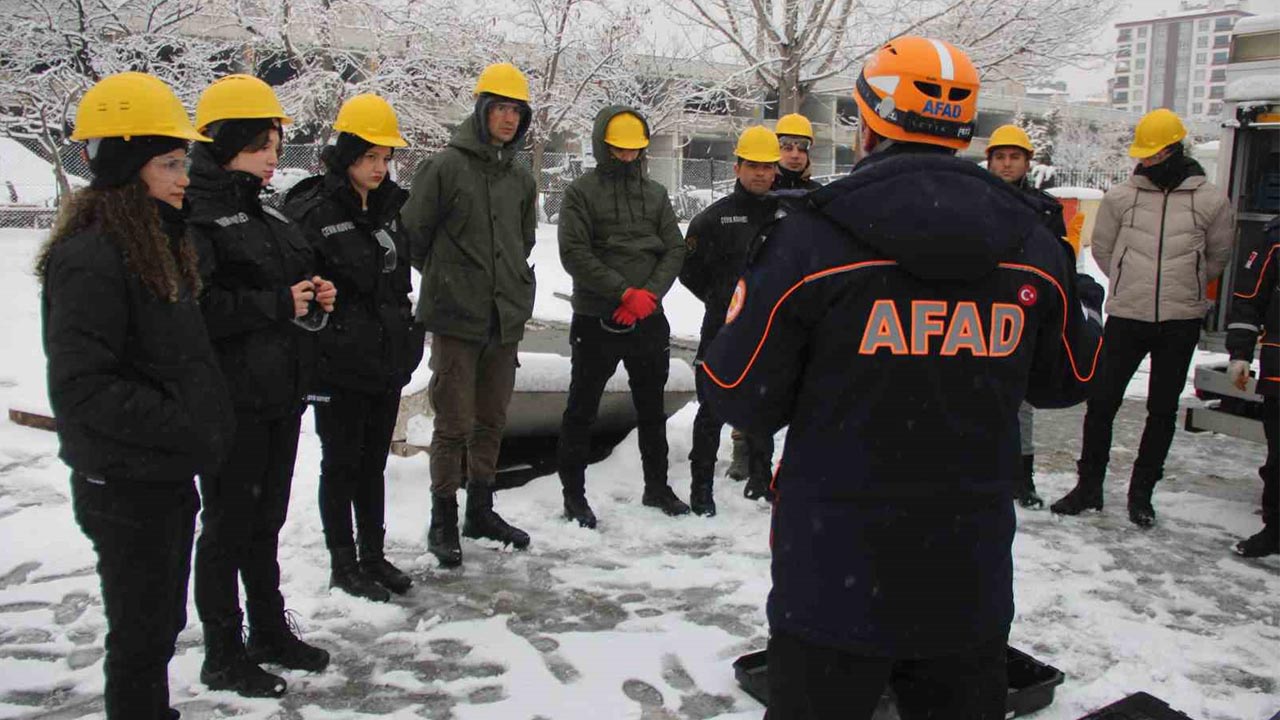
column 642, row 618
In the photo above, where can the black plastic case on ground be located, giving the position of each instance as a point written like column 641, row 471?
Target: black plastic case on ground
column 1138, row 706
column 1031, row 683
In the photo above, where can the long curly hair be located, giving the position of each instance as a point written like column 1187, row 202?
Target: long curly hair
column 128, row 216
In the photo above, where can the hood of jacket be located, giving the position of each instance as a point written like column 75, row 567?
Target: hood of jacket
column 606, row 163
column 917, row 206
column 383, row 204
column 214, row 183
column 472, row 135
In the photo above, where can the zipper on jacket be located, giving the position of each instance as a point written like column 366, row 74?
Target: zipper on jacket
column 1164, row 211
column 1199, row 287
column 1120, row 268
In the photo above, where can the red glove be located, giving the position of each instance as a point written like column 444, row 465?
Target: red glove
column 623, row 316
column 640, row 303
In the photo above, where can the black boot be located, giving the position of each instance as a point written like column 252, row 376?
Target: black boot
column 442, row 537
column 663, row 498
column 1086, row 495
column 1263, row 544
column 1141, row 485
column 227, row 665
column 760, row 483
column 277, row 642
column 483, row 522
column 738, row 468
column 346, row 575
column 701, row 499
column 1025, row 489
column 377, row 568
column 577, row 509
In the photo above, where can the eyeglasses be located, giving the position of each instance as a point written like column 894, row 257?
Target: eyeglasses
column 388, row 244
column 801, row 145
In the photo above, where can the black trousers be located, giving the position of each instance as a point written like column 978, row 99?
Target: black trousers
column 1171, row 345
column 355, row 434
column 598, row 346
column 244, row 508
column 812, row 682
column 1270, row 472
column 142, row 535
column 706, row 445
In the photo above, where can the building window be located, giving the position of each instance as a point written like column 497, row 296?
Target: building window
column 1122, row 97
column 1125, row 35
column 1140, row 64
column 1218, row 76
column 1224, row 23
column 1122, row 81
column 1203, row 25
column 1123, row 51
column 1221, row 41
column 1215, row 109
column 1142, row 49
column 1139, row 79
column 1198, row 91
column 1199, row 76
column 1137, row 95
column 1220, row 58
column 1142, row 32
column 1197, row 108
column 1202, row 42
column 1215, row 92
column 1202, row 58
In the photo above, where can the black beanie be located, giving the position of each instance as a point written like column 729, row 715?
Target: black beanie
column 115, row 162
column 232, row 136
column 340, row 155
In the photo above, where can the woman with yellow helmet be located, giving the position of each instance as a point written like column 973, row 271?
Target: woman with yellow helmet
column 263, row 302
column 351, row 216
column 141, row 405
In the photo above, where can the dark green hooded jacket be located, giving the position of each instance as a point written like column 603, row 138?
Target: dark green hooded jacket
column 471, row 215
column 617, row 230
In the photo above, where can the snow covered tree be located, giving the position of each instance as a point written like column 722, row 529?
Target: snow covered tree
column 51, row 51
column 791, row 44
column 1041, row 131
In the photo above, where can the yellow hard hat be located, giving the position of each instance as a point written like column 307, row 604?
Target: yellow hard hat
column 130, row 104
column 795, row 124
column 758, row 144
column 1156, row 131
column 626, row 131
column 370, row 118
column 238, row 97
column 1010, row 136
column 503, row 79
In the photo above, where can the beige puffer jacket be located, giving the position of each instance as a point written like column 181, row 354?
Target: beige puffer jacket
column 1161, row 250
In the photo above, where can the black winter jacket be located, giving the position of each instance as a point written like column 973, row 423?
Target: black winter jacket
column 896, row 327
column 791, row 180
column 371, row 343
column 719, row 241
column 1047, row 207
column 1254, row 317
column 132, row 378
column 250, row 255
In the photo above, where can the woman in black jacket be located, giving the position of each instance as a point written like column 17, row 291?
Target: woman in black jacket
column 351, row 215
column 262, row 303
column 141, row 405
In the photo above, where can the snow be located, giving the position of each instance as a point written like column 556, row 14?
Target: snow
column 1257, row 24
column 1262, row 86
column 1077, row 193
column 25, row 175
column 642, row 618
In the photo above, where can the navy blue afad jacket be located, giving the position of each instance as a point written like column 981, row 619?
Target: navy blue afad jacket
column 896, row 326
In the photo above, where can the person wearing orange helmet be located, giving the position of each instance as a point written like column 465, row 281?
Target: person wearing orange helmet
column 896, row 324
column 1160, row 238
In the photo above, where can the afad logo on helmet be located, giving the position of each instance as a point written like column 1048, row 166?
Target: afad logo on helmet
column 942, row 109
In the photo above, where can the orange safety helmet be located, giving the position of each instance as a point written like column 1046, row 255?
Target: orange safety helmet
column 916, row 89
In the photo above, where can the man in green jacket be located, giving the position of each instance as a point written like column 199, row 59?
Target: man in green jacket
column 472, row 215
column 620, row 242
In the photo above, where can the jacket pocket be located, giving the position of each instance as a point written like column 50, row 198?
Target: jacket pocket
column 1120, row 268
